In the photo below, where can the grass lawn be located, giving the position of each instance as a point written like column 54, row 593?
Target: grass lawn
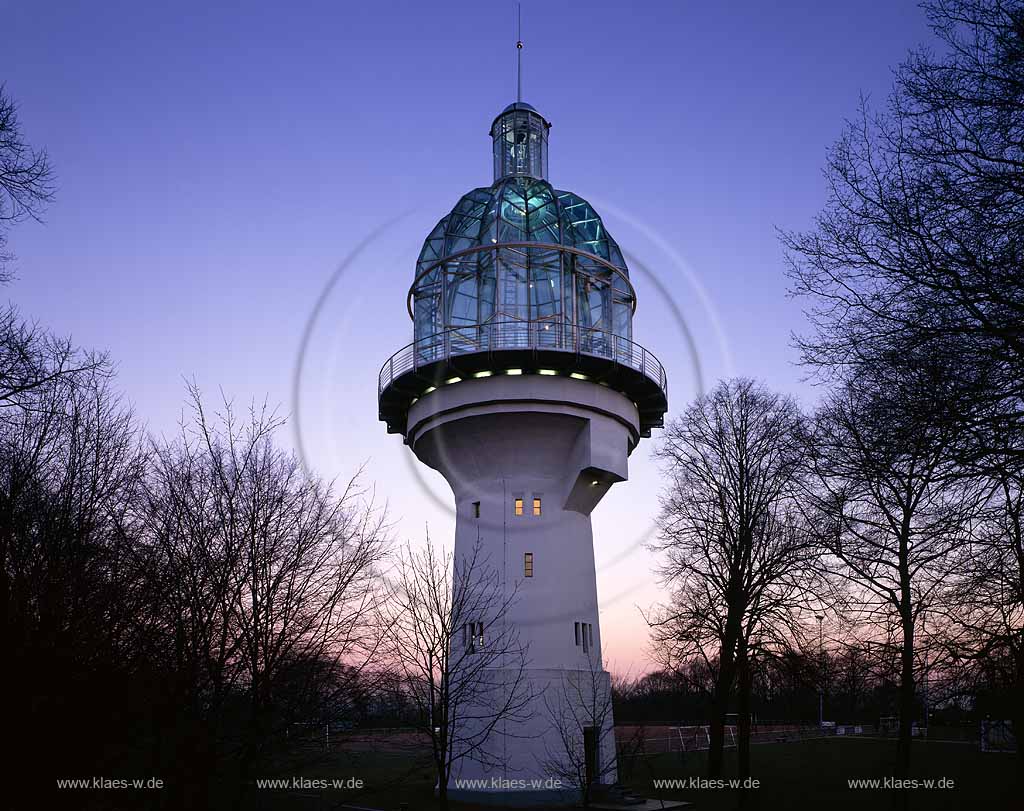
column 802, row 775
column 814, row 773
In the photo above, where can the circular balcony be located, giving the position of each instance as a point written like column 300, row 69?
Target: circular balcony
column 522, row 347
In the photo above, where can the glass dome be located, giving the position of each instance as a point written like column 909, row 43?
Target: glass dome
column 521, row 255
column 521, row 278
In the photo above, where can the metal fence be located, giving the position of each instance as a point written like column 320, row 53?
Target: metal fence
column 522, row 335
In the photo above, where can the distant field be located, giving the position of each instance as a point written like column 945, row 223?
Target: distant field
column 814, row 773
column 809, row 774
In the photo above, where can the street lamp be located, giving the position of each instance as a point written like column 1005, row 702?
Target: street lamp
column 821, row 676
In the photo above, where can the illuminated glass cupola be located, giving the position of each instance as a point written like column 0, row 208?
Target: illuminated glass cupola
column 520, row 136
column 521, row 267
column 520, row 251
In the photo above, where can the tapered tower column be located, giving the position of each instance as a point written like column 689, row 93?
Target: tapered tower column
column 528, row 457
column 525, row 390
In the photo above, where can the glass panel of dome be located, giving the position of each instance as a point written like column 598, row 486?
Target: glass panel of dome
column 462, row 225
column 487, row 285
column 499, row 155
column 538, row 193
column 588, row 232
column 544, row 292
column 474, row 203
column 426, row 309
column 583, row 318
column 596, row 306
column 569, row 289
column 512, row 213
column 432, row 251
column 623, row 312
column 460, row 243
column 488, row 231
column 512, row 284
column 614, row 254
column 462, row 298
column 544, row 220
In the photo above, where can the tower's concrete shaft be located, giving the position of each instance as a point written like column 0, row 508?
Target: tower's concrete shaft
column 552, row 445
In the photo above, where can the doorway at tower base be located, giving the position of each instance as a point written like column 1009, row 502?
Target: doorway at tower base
column 543, row 757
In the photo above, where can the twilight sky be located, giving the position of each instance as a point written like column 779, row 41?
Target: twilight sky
column 216, row 166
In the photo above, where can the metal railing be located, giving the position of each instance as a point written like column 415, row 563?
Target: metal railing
column 523, row 335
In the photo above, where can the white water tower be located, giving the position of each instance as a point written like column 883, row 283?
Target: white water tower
column 524, row 388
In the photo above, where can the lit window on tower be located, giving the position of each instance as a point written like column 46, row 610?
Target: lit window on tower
column 519, row 506
column 536, row 506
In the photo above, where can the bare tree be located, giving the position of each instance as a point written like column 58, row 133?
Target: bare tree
column 921, row 239
column 983, row 610
column 26, row 178
column 732, row 460
column 448, row 635
column 260, row 571
column 581, row 750
column 31, row 359
column 783, row 588
column 917, row 255
column 69, row 597
column 890, row 502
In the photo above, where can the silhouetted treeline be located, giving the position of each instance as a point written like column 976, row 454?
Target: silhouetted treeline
column 168, row 607
column 858, row 688
column 885, row 524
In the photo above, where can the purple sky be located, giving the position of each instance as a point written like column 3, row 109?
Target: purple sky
column 215, row 166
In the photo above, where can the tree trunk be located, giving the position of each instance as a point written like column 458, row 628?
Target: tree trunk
column 906, row 693
column 1017, row 701
column 744, row 688
column 723, row 684
column 906, row 704
column 441, row 764
column 745, row 685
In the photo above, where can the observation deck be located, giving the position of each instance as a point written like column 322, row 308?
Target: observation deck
column 522, row 347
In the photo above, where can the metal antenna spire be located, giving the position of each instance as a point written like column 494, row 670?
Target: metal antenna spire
column 519, row 53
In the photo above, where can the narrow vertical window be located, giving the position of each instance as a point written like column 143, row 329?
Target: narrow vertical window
column 590, row 634
column 536, row 506
column 528, row 564
column 480, row 634
column 586, row 644
column 576, row 631
column 519, row 506
column 476, row 509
